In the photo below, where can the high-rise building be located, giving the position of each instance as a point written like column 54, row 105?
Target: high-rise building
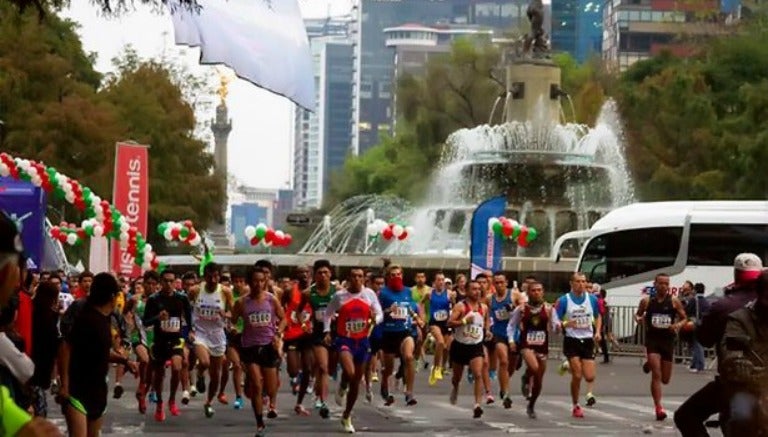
column 283, row 206
column 577, row 27
column 638, row 29
column 322, row 138
column 246, row 214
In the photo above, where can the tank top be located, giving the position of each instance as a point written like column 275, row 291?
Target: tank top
column 355, row 314
column 473, row 332
column 534, row 334
column 439, row 307
column 297, row 318
column 659, row 316
column 260, row 322
column 319, row 303
column 500, row 314
column 580, row 318
column 207, row 310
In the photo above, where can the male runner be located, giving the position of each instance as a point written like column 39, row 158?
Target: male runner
column 262, row 332
column 471, row 326
column 358, row 311
column 298, row 337
column 530, row 320
column 399, row 314
column 579, row 317
column 232, row 356
column 212, row 304
column 319, row 295
column 658, row 314
column 419, row 290
column 164, row 312
column 438, row 300
column 189, row 361
column 372, row 368
column 489, row 360
column 500, row 305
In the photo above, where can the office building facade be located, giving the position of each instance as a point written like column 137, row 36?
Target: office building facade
column 577, row 28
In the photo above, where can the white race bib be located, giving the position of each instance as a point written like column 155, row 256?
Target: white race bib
column 208, row 313
column 261, row 318
column 536, row 338
column 661, row 321
column 581, row 322
column 501, row 314
column 173, row 324
column 474, row 332
column 440, row 315
column 356, row 326
column 400, row 313
column 320, row 314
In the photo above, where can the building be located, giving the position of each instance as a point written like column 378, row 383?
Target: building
column 283, row 207
column 638, row 29
column 577, row 28
column 322, row 138
column 264, row 197
column 246, row 214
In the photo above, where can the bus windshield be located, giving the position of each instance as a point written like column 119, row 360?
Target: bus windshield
column 617, row 255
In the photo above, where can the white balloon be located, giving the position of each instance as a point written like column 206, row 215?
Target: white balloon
column 123, row 236
column 72, row 239
column 124, row 226
column 372, row 230
column 147, row 265
column 409, row 230
column 123, row 243
column 148, row 249
column 397, row 230
column 36, row 181
column 492, row 221
column 4, row 170
column 279, row 235
column 70, row 197
column 250, row 231
column 380, row 225
column 98, row 231
column 196, row 241
column 167, row 234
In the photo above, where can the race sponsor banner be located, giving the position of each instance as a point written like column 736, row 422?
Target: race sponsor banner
column 485, row 246
column 131, row 197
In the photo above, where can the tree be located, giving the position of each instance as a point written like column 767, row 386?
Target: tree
column 43, row 8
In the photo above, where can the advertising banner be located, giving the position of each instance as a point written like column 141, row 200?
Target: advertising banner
column 485, row 247
column 131, row 197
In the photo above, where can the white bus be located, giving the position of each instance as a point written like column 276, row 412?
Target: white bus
column 691, row 241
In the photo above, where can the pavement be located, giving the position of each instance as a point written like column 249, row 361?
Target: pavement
column 623, row 408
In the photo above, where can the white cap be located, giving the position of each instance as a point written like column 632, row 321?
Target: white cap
column 748, row 262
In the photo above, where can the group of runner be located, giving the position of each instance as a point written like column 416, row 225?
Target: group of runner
column 252, row 325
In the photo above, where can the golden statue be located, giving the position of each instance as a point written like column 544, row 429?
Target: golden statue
column 225, row 79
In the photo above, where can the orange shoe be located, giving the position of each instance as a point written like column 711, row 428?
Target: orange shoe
column 173, row 409
column 577, row 413
column 223, row 398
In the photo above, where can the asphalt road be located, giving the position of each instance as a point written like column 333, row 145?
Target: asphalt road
column 623, row 408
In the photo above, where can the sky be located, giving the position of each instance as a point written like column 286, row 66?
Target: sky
column 261, row 121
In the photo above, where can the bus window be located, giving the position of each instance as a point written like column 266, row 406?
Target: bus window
column 617, row 255
column 718, row 244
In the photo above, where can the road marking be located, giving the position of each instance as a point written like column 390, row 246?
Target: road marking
column 569, row 407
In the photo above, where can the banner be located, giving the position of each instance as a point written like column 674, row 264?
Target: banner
column 484, row 246
column 264, row 41
column 131, row 197
column 98, row 255
column 25, row 204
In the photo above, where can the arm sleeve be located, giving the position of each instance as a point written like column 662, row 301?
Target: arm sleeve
column 378, row 313
column 514, row 320
column 20, row 365
column 12, row 416
column 333, row 306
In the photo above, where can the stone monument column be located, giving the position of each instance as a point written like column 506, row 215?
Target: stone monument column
column 221, row 127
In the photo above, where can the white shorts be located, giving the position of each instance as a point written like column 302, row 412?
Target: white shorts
column 215, row 348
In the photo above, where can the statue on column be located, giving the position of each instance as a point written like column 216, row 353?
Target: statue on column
column 536, row 42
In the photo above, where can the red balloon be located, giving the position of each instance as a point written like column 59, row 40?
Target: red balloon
column 287, row 240
column 521, row 241
column 387, row 233
column 81, row 233
column 188, row 224
column 403, row 236
column 154, row 263
column 523, row 233
column 277, row 241
column 175, row 233
column 507, row 228
column 270, row 235
column 63, row 238
column 191, row 236
column 255, row 241
column 55, row 232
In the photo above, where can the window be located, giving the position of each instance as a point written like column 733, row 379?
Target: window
column 617, row 255
column 718, row 244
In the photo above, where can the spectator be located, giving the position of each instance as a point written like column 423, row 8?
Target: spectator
column 45, row 320
column 602, row 304
column 15, row 367
column 696, row 307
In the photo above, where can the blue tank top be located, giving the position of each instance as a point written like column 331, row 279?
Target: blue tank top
column 439, row 307
column 399, row 320
column 500, row 314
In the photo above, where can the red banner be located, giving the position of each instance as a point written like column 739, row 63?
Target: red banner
column 131, row 198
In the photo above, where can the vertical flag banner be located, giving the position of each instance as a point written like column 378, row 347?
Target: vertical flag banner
column 485, row 247
column 264, row 41
column 131, row 198
column 25, row 204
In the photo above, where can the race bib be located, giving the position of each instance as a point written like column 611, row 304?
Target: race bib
column 261, row 318
column 400, row 313
column 295, row 317
column 501, row 314
column 320, row 314
column 536, row 338
column 440, row 316
column 356, row 326
column 208, row 313
column 173, row 324
column 582, row 322
column 661, row 321
column 474, row 332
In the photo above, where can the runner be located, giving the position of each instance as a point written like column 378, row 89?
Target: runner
column 189, row 360
column 471, row 324
column 579, row 317
column 399, row 314
column 212, row 303
column 319, row 295
column 439, row 304
column 372, row 368
column 232, row 356
column 298, row 337
column 419, row 290
column 489, row 361
column 530, row 320
column 658, row 315
column 500, row 305
column 263, row 328
column 138, row 336
column 164, row 312
column 358, row 311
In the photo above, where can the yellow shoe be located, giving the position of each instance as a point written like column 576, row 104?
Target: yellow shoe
column 375, row 377
column 439, row 373
column 433, row 376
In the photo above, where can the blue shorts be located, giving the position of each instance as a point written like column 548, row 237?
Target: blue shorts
column 360, row 349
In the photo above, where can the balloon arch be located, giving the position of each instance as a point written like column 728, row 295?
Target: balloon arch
column 102, row 218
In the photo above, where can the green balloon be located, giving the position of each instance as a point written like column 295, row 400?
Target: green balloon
column 532, row 234
column 497, row 228
column 162, row 227
column 58, row 192
column 515, row 232
column 184, row 233
column 261, row 232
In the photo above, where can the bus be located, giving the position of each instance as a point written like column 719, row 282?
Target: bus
column 693, row 241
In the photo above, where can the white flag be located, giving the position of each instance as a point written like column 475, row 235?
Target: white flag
column 263, row 41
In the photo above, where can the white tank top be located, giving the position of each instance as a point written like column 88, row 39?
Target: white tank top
column 207, row 309
column 474, row 331
column 580, row 318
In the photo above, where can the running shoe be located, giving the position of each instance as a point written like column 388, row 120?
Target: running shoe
column 208, row 409
column 238, row 405
column 272, row 413
column 347, row 425
column 489, row 399
column 193, row 391
column 660, row 414
column 433, row 376
column 563, row 369
column 525, row 384
column 646, row 367
column 439, row 373
column 507, row 402
column 470, row 377
column 340, row 397
column 591, row 400
column 375, row 377
column 368, row 394
column 388, row 398
column 223, row 399
column 410, row 400
column 200, row 384
column 530, row 412
column 454, row 395
column 153, row 397
column 477, row 412
column 54, row 387
column 492, row 374
column 318, row 403
column 577, row 412
column 159, row 413
column 142, row 403
column 261, row 431
column 118, row 392
column 185, row 397
column 301, row 411
column 324, row 411
column 173, row 408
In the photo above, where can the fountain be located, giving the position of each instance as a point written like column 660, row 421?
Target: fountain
column 557, row 176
